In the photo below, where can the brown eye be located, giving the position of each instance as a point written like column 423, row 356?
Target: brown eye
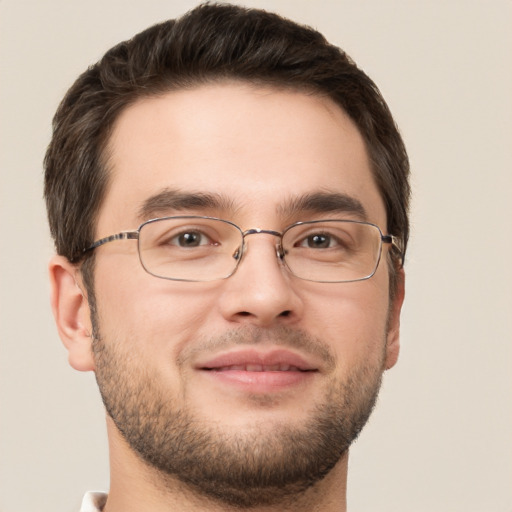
column 190, row 239
column 318, row 241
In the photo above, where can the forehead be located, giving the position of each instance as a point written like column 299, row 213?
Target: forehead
column 255, row 148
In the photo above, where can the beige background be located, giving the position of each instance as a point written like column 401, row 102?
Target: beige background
column 441, row 438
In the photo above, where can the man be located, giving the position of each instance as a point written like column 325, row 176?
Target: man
column 228, row 196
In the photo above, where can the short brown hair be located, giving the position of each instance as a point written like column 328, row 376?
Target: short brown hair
column 210, row 43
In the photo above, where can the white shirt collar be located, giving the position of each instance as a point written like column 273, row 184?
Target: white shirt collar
column 93, row 501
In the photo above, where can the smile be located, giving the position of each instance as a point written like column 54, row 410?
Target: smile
column 251, row 360
column 259, row 372
column 259, row 368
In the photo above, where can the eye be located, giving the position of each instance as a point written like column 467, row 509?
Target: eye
column 190, row 239
column 319, row 241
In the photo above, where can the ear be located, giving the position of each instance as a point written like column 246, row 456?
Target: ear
column 71, row 311
column 393, row 335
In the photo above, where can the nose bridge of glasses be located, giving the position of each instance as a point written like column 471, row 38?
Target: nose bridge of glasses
column 259, row 231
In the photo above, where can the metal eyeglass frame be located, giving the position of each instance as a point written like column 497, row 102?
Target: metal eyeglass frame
column 134, row 235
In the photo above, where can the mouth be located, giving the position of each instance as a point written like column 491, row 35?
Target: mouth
column 259, row 372
column 258, row 368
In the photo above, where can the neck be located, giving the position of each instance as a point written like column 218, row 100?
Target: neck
column 136, row 486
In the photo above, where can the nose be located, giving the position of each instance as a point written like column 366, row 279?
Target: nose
column 261, row 292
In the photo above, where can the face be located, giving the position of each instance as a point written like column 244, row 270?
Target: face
column 256, row 384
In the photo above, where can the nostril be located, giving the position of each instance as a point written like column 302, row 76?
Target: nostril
column 285, row 313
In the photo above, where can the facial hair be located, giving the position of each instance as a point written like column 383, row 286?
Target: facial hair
column 260, row 465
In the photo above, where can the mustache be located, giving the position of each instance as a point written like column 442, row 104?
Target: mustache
column 280, row 336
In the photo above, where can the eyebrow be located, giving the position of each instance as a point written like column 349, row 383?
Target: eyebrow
column 323, row 202
column 169, row 200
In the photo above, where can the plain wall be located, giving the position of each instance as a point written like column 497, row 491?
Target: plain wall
column 441, row 437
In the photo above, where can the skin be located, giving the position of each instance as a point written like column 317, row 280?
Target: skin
column 258, row 147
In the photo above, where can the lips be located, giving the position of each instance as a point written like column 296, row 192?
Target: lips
column 258, row 368
column 254, row 361
column 258, row 372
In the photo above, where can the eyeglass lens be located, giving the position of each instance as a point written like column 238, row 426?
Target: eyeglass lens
column 203, row 249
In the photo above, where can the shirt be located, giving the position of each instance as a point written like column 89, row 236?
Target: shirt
column 93, row 502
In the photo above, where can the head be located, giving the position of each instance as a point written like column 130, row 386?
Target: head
column 212, row 43
column 226, row 74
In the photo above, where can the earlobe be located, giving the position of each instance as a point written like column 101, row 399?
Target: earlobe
column 393, row 335
column 71, row 312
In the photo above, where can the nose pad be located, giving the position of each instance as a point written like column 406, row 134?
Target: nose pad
column 237, row 255
column 241, row 250
column 280, row 252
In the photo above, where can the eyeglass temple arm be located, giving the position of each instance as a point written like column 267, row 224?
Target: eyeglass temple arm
column 396, row 242
column 124, row 235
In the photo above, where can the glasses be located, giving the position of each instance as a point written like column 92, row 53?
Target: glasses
column 195, row 248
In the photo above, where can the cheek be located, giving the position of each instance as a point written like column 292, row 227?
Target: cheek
column 352, row 319
column 152, row 315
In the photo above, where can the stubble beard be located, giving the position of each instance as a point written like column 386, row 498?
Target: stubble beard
column 261, row 465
